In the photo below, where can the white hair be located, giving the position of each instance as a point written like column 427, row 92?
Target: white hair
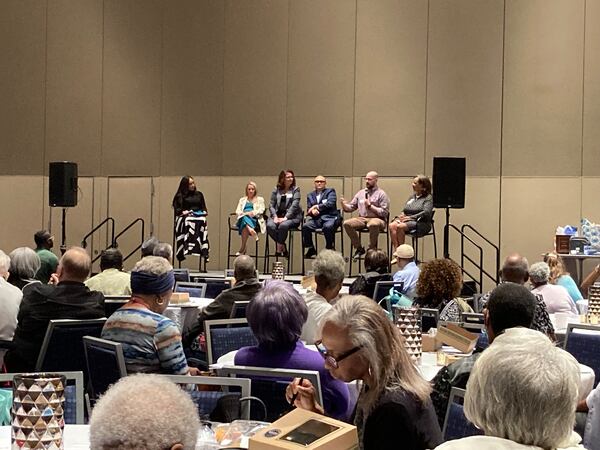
column 4, row 263
column 329, row 268
column 524, row 389
column 539, row 272
column 156, row 265
column 163, row 249
column 24, row 263
column 144, row 411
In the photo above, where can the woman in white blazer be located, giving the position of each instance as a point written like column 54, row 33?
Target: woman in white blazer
column 250, row 210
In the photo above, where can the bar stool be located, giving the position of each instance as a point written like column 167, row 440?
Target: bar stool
column 319, row 232
column 233, row 228
column 290, row 247
column 416, row 236
column 360, row 259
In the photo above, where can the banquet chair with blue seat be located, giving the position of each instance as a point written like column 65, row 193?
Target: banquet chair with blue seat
column 456, row 425
column 238, row 310
column 583, row 342
column 182, row 275
column 194, row 289
column 214, row 286
column 62, row 349
column 269, row 385
column 105, row 364
column 224, row 336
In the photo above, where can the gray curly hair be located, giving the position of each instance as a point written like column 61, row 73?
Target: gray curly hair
column 329, row 267
column 539, row 273
column 122, row 419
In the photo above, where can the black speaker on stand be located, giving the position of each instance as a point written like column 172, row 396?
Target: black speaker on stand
column 449, row 176
column 62, row 192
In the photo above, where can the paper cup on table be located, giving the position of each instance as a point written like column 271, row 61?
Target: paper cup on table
column 561, row 319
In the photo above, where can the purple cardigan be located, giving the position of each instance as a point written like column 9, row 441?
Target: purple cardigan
column 335, row 392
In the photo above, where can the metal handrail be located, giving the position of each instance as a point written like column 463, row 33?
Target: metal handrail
column 124, row 230
column 463, row 256
column 495, row 277
column 112, row 235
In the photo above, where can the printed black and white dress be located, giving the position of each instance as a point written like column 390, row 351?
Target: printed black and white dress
column 191, row 232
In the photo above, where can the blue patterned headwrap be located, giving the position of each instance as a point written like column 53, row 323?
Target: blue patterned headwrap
column 149, row 283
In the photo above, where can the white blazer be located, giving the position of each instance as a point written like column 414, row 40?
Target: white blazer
column 259, row 210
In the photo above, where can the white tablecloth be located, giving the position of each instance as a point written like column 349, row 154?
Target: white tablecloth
column 185, row 314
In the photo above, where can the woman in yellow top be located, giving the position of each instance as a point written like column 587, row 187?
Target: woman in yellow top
column 250, row 210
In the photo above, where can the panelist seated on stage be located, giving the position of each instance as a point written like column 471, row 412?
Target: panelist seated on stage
column 322, row 213
column 245, row 289
column 151, row 342
column 250, row 211
column 284, row 209
column 190, row 223
column 416, row 214
column 112, row 280
column 373, row 207
column 44, row 241
column 67, row 297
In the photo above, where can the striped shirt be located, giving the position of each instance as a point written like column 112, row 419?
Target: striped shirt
column 151, row 342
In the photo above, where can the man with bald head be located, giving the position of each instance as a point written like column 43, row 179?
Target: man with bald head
column 516, row 270
column 373, row 207
column 321, row 214
column 66, row 297
column 245, row 288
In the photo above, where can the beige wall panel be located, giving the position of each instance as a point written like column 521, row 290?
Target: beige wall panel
column 254, row 105
column 22, row 52
column 590, row 207
column 128, row 199
column 543, row 75
column 320, row 112
column 532, row 208
column 391, row 51
column 591, row 99
column 464, row 83
column 192, row 107
column 74, row 84
column 79, row 219
column 21, row 198
column 132, row 87
column 165, row 188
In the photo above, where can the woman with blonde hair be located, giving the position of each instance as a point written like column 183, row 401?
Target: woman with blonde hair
column 358, row 342
column 249, row 211
column 558, row 275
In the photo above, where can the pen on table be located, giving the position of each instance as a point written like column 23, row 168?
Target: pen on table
column 295, row 396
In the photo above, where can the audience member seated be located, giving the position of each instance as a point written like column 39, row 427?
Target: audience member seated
column 522, row 394
column 44, row 241
column 112, row 280
column 556, row 297
column 10, row 299
column 439, row 286
column 591, row 406
column 377, row 269
column 65, row 298
column 510, row 305
column 328, row 267
column 148, row 246
column 163, row 250
column 516, row 270
column 373, row 207
column 322, row 213
column 276, row 316
column 24, row 264
column 408, row 271
column 558, row 275
column 416, row 214
column 144, row 412
column 393, row 409
column 285, row 211
column 151, row 342
column 245, row 289
column 250, row 211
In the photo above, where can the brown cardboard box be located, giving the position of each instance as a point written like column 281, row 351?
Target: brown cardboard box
column 180, row 297
column 562, row 243
column 300, row 423
column 430, row 343
column 457, row 337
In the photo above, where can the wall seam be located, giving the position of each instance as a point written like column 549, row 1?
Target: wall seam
column 102, row 91
column 426, row 91
column 581, row 174
column 354, row 89
column 162, row 80
column 224, row 53
column 287, row 85
column 45, row 136
column 501, row 127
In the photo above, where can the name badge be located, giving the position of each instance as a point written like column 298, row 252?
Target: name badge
column 324, row 201
column 288, row 195
column 410, row 201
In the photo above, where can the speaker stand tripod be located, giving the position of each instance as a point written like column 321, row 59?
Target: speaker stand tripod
column 447, row 234
column 63, row 242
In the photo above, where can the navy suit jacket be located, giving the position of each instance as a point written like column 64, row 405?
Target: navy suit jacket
column 327, row 204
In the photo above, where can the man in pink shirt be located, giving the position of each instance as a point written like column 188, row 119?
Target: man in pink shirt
column 373, row 206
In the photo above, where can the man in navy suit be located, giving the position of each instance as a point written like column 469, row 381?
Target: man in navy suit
column 321, row 213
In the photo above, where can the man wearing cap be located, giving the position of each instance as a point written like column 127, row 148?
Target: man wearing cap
column 66, row 297
column 44, row 241
column 408, row 271
column 321, row 213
